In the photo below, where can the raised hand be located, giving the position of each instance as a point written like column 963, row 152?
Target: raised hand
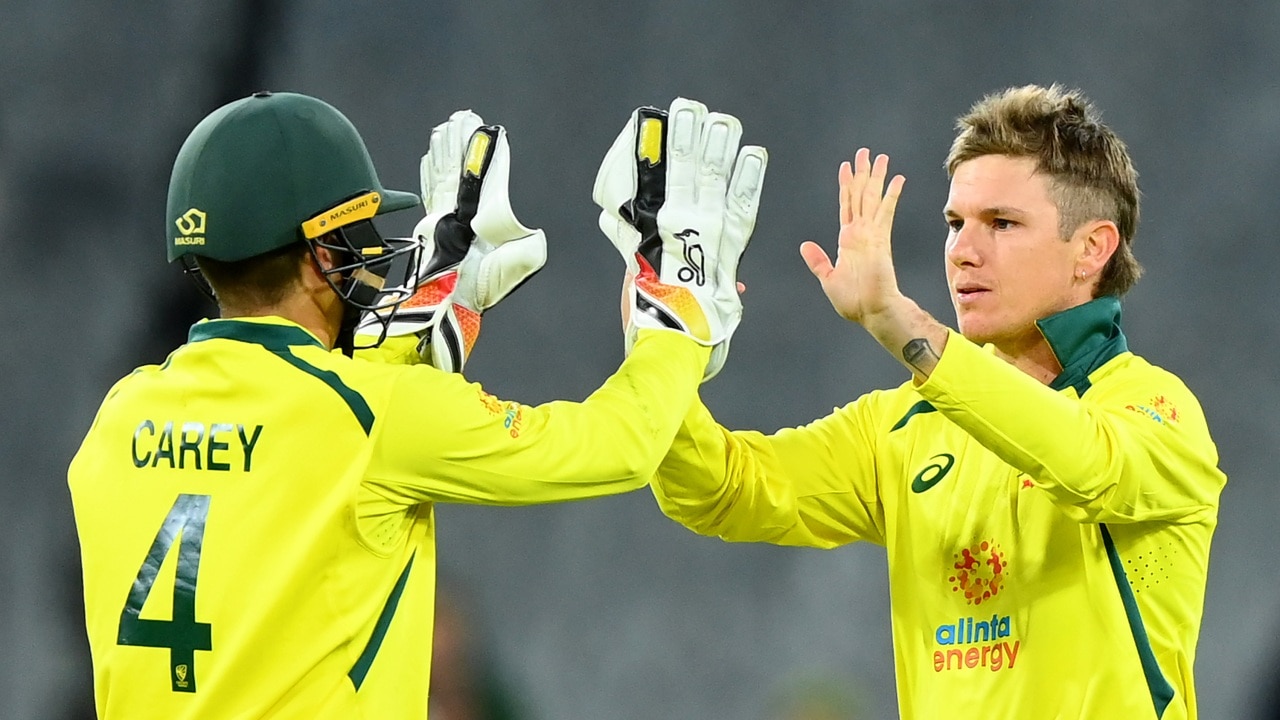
column 475, row 251
column 861, row 283
column 679, row 202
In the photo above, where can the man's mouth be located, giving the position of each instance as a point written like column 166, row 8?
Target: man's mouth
column 970, row 292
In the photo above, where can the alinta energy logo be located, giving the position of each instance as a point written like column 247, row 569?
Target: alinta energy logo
column 979, row 572
column 970, row 643
column 190, row 227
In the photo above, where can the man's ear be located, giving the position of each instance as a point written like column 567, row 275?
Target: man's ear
column 1100, row 240
column 316, row 263
column 324, row 256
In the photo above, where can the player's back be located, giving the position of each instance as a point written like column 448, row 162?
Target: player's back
column 225, row 573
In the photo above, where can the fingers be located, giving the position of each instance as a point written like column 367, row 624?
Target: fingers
column 717, row 150
column 817, row 260
column 441, row 165
column 862, row 189
column 884, row 214
column 846, row 193
column 742, row 202
column 456, row 138
column 747, row 182
column 686, row 120
column 873, row 191
column 861, row 171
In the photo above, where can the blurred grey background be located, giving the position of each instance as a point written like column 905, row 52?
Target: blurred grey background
column 606, row 609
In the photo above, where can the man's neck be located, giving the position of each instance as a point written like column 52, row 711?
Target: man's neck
column 1032, row 355
column 297, row 308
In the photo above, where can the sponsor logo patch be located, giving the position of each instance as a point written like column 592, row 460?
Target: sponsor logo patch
column 191, row 227
column 1158, row 408
column 977, row 572
column 933, row 473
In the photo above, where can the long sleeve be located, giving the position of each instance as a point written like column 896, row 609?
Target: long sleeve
column 447, row 440
column 812, row 486
column 1128, row 451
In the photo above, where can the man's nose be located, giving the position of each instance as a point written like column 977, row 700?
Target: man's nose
column 961, row 247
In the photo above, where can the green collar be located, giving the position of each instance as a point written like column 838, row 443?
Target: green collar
column 1084, row 338
column 271, row 335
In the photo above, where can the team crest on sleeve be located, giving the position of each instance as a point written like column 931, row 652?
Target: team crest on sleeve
column 491, row 403
column 1158, row 408
column 512, row 413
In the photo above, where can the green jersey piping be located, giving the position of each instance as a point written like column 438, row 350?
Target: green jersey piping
column 280, row 340
column 1159, row 687
column 361, row 668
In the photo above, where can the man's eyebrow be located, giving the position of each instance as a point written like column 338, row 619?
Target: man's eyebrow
column 995, row 211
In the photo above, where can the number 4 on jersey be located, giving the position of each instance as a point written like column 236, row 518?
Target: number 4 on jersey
column 182, row 635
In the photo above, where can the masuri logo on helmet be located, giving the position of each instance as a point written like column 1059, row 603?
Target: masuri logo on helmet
column 190, row 224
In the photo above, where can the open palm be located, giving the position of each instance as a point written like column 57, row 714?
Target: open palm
column 861, row 282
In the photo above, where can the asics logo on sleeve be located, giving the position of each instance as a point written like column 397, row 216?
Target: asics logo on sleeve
column 932, row 473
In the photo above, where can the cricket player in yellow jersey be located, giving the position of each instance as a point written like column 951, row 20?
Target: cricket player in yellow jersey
column 1046, row 497
column 255, row 514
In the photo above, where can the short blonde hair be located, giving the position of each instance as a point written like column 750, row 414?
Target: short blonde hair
column 1091, row 174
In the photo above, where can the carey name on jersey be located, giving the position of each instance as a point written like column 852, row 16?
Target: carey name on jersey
column 179, row 445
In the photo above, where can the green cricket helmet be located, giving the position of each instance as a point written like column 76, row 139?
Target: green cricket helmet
column 273, row 169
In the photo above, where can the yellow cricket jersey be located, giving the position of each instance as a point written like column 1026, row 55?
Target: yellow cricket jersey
column 255, row 515
column 1048, row 546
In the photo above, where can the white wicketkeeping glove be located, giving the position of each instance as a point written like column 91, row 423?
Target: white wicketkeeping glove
column 475, row 251
column 679, row 201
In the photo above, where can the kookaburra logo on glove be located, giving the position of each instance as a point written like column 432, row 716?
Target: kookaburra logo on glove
column 679, row 202
column 693, row 271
